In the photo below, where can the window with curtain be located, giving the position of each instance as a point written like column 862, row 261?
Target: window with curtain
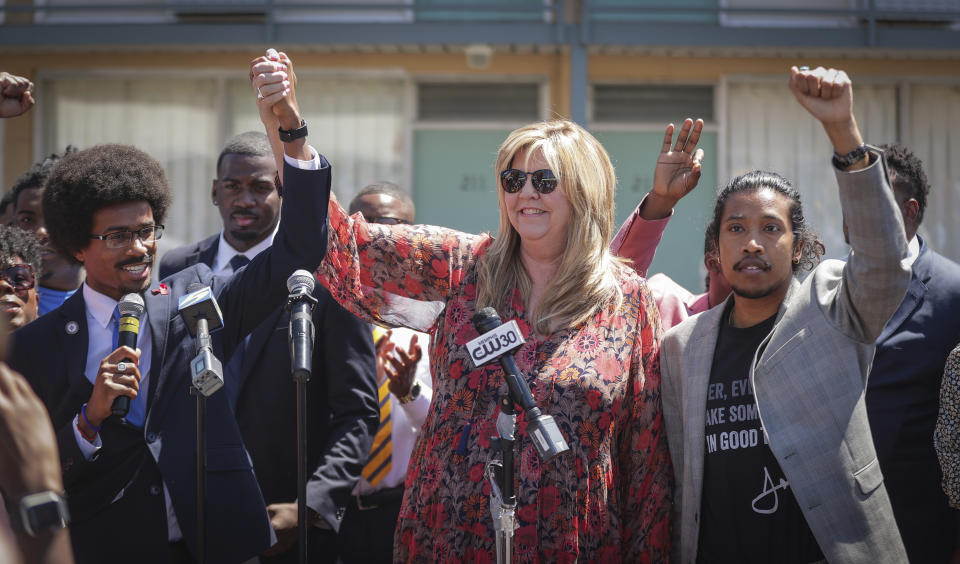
column 183, row 123
column 357, row 123
column 174, row 120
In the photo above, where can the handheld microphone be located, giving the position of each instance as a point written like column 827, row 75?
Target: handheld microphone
column 131, row 308
column 201, row 313
column 300, row 305
column 498, row 341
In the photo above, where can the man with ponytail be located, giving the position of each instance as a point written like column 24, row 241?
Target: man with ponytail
column 764, row 395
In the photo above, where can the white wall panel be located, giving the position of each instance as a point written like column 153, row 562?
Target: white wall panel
column 934, row 135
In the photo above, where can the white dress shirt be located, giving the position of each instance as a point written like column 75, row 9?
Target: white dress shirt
column 405, row 419
column 99, row 346
column 225, row 253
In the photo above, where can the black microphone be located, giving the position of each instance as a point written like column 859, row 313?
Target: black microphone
column 300, row 305
column 130, row 308
column 201, row 313
column 498, row 341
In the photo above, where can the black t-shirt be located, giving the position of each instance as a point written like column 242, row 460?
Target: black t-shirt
column 748, row 512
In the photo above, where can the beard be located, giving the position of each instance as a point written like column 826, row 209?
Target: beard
column 761, row 292
column 246, row 236
column 140, row 288
column 754, row 294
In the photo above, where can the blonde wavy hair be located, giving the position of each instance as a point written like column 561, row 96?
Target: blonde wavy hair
column 586, row 280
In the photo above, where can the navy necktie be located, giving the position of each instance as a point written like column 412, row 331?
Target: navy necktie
column 238, row 262
column 234, row 366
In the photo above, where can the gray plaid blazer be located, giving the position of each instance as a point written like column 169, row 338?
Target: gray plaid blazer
column 809, row 385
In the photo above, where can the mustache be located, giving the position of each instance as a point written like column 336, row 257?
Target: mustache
column 752, row 261
column 148, row 259
column 244, row 213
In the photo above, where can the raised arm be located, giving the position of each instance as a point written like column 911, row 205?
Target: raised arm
column 874, row 279
column 676, row 175
column 391, row 275
column 251, row 295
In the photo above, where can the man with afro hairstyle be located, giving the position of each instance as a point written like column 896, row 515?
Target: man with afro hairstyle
column 131, row 481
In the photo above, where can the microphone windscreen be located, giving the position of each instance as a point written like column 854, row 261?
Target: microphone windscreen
column 300, row 281
column 131, row 305
column 486, row 320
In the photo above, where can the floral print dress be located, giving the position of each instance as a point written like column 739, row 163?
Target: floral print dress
column 607, row 499
column 946, row 436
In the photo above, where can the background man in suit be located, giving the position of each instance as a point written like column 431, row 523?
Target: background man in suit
column 131, row 482
column 764, row 397
column 246, row 195
column 342, row 405
column 903, row 394
column 405, row 389
column 59, row 276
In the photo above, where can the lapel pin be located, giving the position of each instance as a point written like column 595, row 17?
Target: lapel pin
column 160, row 291
column 72, row 327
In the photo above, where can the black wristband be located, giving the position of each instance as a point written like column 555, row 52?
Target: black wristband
column 843, row 162
column 288, row 135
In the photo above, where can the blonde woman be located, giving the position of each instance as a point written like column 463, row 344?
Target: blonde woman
column 592, row 335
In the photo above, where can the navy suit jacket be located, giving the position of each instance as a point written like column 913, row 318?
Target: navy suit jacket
column 903, row 396
column 342, row 411
column 116, row 498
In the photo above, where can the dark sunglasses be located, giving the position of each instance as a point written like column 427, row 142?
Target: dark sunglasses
column 512, row 180
column 20, row 276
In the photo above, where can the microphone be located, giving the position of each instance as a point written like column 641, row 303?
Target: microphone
column 496, row 340
column 131, row 308
column 201, row 313
column 300, row 305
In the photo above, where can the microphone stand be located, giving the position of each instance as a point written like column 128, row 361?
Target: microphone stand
column 301, row 376
column 503, row 500
column 203, row 340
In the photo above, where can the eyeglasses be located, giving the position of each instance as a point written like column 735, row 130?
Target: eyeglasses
column 20, row 276
column 123, row 239
column 387, row 220
column 512, row 180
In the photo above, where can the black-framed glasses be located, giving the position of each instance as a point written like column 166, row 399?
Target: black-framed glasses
column 20, row 276
column 512, row 180
column 123, row 239
column 385, row 220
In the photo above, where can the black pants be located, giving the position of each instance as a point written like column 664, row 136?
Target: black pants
column 367, row 535
column 323, row 549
